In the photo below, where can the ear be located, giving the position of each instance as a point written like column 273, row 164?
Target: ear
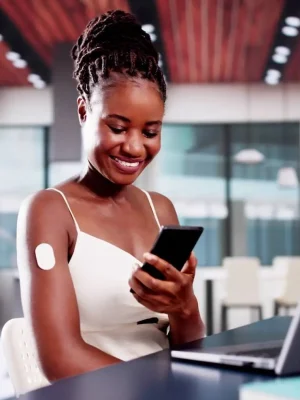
column 81, row 109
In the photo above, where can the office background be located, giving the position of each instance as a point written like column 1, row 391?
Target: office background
column 230, row 154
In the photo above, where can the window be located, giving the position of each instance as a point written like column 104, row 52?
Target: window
column 22, row 172
column 265, row 216
column 191, row 173
column 244, row 210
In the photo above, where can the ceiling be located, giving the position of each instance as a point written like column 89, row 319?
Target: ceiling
column 201, row 41
column 218, row 41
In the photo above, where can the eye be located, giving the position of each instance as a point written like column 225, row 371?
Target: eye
column 116, row 130
column 150, row 134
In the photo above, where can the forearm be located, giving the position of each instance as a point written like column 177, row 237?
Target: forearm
column 186, row 327
column 74, row 360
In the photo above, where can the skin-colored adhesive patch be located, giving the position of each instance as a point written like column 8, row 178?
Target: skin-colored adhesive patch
column 45, row 256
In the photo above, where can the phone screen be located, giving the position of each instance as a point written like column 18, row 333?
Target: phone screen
column 174, row 245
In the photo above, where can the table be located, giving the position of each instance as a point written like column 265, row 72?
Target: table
column 156, row 377
column 211, row 274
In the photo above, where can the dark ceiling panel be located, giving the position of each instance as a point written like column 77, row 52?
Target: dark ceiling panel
column 254, row 36
column 16, row 42
column 10, row 76
column 147, row 13
column 292, row 70
column 26, row 29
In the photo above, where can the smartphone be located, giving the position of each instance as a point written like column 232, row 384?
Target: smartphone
column 174, row 244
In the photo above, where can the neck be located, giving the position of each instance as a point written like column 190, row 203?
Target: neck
column 98, row 184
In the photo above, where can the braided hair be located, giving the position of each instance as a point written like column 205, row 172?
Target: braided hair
column 116, row 42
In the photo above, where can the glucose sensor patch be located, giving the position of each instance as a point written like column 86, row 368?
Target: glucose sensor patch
column 45, row 256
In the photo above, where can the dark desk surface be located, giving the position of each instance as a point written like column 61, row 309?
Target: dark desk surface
column 156, row 377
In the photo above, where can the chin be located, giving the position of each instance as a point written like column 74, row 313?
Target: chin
column 123, row 180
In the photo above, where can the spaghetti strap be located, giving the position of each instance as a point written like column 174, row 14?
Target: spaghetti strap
column 68, row 205
column 152, row 207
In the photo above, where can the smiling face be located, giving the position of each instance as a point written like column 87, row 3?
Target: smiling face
column 122, row 128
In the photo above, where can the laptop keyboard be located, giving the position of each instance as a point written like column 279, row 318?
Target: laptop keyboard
column 260, row 353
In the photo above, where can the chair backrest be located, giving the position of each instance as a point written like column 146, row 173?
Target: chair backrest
column 20, row 357
column 242, row 283
column 281, row 262
column 291, row 287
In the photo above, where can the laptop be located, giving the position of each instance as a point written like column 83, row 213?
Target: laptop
column 280, row 356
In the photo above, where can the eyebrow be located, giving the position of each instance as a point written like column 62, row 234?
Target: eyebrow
column 122, row 118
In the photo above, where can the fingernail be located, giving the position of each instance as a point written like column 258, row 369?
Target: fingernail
column 149, row 256
column 135, row 267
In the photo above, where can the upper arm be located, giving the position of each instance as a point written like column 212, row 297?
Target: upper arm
column 165, row 209
column 48, row 296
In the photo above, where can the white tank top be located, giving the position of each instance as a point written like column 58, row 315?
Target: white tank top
column 110, row 317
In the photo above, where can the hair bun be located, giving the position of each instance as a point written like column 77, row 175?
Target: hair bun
column 119, row 16
column 115, row 41
column 117, row 24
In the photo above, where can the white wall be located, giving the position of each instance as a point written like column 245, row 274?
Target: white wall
column 26, row 106
column 232, row 103
column 186, row 103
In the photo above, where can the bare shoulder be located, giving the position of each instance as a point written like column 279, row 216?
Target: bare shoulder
column 44, row 210
column 165, row 209
column 44, row 201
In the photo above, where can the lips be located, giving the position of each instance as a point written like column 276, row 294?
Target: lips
column 126, row 165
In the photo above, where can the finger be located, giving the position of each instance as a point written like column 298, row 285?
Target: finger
column 138, row 288
column 156, row 305
column 170, row 272
column 145, row 303
column 155, row 285
column 191, row 265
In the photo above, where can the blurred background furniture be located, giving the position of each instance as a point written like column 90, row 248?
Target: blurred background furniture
column 290, row 294
column 20, row 357
column 209, row 280
column 242, row 287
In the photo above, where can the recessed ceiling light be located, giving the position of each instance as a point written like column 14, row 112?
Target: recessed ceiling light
column 282, row 50
column 33, row 78
column 20, row 63
column 279, row 58
column 39, row 84
column 153, row 37
column 290, row 31
column 12, row 55
column 293, row 21
column 149, row 28
column 271, row 80
column 274, row 73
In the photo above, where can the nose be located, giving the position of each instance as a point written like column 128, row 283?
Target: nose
column 133, row 145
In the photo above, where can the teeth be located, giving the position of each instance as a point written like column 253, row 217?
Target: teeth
column 127, row 164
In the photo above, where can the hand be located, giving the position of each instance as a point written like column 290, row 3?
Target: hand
column 174, row 295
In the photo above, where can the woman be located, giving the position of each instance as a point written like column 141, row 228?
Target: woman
column 80, row 244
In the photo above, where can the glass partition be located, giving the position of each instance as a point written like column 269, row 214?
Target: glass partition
column 243, row 206
column 22, row 172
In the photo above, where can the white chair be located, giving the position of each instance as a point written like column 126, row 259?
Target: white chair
column 290, row 295
column 20, row 357
column 280, row 263
column 242, row 286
